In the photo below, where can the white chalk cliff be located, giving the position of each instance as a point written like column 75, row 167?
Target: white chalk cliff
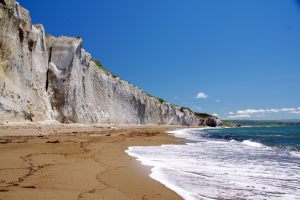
column 46, row 78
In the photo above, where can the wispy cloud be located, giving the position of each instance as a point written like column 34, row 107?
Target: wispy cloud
column 250, row 111
column 295, row 112
column 218, row 100
column 237, row 116
column 272, row 110
column 201, row 95
column 258, row 112
column 288, row 109
column 260, row 115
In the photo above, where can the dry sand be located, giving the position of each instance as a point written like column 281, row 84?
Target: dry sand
column 78, row 162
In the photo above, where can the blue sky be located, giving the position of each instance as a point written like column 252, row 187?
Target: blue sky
column 244, row 56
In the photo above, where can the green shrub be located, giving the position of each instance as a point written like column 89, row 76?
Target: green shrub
column 229, row 123
column 98, row 63
column 202, row 115
column 160, row 100
column 185, row 108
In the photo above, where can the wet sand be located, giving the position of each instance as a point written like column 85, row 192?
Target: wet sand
column 78, row 162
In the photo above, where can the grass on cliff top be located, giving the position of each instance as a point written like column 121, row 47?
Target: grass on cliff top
column 160, row 100
column 229, row 123
column 185, row 108
column 202, row 115
column 98, row 63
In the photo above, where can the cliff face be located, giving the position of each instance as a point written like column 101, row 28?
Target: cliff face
column 43, row 77
column 23, row 66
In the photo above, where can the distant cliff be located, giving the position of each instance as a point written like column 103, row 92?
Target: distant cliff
column 43, row 78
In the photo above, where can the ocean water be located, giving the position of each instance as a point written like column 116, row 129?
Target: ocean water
column 229, row 163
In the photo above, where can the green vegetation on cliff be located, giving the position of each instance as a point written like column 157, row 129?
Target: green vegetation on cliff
column 228, row 123
column 185, row 108
column 98, row 63
column 160, row 100
column 202, row 115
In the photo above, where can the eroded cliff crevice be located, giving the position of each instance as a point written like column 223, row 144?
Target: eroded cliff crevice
column 45, row 77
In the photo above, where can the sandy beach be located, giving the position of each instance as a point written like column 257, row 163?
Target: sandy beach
column 58, row 161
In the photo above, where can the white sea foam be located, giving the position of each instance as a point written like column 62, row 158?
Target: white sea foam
column 189, row 133
column 186, row 133
column 295, row 153
column 252, row 144
column 158, row 174
column 219, row 169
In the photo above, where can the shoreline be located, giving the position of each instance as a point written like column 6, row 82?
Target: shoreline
column 79, row 162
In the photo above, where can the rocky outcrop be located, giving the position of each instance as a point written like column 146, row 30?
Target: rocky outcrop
column 213, row 122
column 43, row 77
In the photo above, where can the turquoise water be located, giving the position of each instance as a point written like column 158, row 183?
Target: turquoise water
column 250, row 163
column 287, row 137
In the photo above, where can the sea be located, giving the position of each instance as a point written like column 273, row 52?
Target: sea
column 256, row 163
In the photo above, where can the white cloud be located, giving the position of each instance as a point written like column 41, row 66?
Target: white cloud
column 287, row 109
column 176, row 97
column 272, row 110
column 218, row 100
column 295, row 112
column 215, row 114
column 238, row 116
column 250, row 111
column 201, row 95
column 260, row 112
column 260, row 115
